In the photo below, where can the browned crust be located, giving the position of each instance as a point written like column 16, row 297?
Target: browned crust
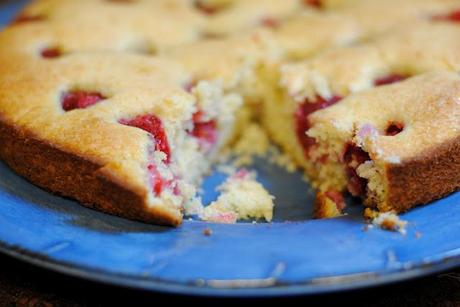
column 428, row 177
column 72, row 176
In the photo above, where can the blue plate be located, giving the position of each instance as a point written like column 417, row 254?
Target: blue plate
column 293, row 255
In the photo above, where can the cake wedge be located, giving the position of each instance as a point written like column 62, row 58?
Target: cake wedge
column 395, row 146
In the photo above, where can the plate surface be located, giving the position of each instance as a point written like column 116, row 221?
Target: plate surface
column 293, row 255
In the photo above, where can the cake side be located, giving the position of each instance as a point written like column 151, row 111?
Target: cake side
column 70, row 175
column 399, row 146
column 425, row 178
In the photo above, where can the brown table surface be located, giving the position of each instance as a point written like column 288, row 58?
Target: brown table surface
column 22, row 284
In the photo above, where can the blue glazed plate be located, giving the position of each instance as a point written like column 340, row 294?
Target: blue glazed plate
column 293, row 255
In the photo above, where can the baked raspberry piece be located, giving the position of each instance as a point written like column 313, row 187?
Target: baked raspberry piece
column 302, row 122
column 159, row 184
column 353, row 157
column 453, row 16
column 392, row 78
column 80, row 99
column 313, row 3
column 24, row 18
column 206, row 8
column 270, row 22
column 205, row 130
column 52, row 52
column 153, row 125
column 394, row 128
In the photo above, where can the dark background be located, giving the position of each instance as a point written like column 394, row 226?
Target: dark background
column 22, row 284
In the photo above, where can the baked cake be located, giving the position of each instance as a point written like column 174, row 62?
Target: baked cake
column 124, row 105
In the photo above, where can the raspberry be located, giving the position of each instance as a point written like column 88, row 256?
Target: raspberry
column 393, row 78
column 270, row 22
column 204, row 130
column 188, row 87
column 154, row 126
column 353, row 157
column 27, row 18
column 52, row 52
column 206, row 9
column 394, row 128
column 302, row 122
column 453, row 16
column 158, row 183
column 313, row 3
column 80, row 100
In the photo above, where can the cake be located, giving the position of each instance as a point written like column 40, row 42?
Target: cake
column 127, row 139
column 125, row 105
column 299, row 89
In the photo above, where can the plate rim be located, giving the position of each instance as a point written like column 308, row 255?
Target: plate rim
column 304, row 288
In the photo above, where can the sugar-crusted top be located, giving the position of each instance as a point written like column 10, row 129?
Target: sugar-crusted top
column 408, row 51
column 143, row 26
column 427, row 106
column 32, row 90
column 232, row 16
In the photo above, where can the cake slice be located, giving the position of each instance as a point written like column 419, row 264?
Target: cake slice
column 127, row 139
column 395, row 146
column 302, row 88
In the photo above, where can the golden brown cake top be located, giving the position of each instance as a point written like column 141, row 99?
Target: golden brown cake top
column 33, row 95
column 425, row 108
column 406, row 52
column 143, row 26
column 376, row 16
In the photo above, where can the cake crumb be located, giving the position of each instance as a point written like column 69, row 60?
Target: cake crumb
column 254, row 142
column 386, row 220
column 328, row 204
column 242, row 197
column 193, row 207
column 207, row 232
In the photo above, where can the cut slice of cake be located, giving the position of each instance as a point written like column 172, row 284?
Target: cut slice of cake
column 302, row 88
column 395, row 146
column 126, row 139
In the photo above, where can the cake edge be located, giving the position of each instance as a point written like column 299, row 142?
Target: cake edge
column 69, row 175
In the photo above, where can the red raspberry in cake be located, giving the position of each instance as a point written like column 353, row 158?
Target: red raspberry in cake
column 393, row 78
column 394, row 129
column 206, row 8
column 302, row 122
column 188, row 87
column 27, row 18
column 453, row 16
column 154, row 126
column 205, row 130
column 80, row 100
column 158, row 183
column 313, row 3
column 52, row 52
column 270, row 22
column 353, row 157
